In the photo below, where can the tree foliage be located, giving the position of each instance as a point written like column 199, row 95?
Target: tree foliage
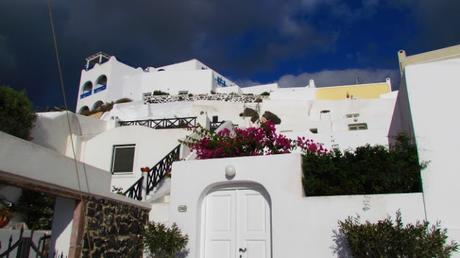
column 16, row 113
column 388, row 238
column 164, row 242
column 38, row 209
column 367, row 170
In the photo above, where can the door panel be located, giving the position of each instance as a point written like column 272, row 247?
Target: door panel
column 220, row 224
column 256, row 249
column 253, row 224
column 236, row 224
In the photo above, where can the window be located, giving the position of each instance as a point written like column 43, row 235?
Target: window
column 101, row 81
column 87, row 87
column 325, row 114
column 83, row 110
column 353, row 115
column 98, row 104
column 123, row 158
column 355, row 127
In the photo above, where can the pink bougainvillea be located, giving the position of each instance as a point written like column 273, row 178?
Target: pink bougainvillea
column 252, row 141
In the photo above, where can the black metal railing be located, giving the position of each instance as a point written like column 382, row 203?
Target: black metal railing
column 25, row 246
column 214, row 125
column 135, row 191
column 161, row 169
column 165, row 123
column 155, row 175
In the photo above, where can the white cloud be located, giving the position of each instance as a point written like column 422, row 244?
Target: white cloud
column 340, row 77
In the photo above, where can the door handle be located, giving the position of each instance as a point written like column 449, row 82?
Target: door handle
column 242, row 250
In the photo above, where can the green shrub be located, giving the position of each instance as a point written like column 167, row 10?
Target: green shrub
column 367, row 170
column 159, row 92
column 38, row 209
column 164, row 242
column 388, row 238
column 16, row 113
column 265, row 93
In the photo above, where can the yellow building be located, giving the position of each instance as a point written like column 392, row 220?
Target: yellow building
column 356, row 91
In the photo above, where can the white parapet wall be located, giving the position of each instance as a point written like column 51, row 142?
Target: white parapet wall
column 300, row 226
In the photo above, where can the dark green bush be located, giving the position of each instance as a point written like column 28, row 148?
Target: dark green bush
column 165, row 242
column 367, row 170
column 159, row 92
column 16, row 113
column 37, row 208
column 265, row 93
column 388, row 238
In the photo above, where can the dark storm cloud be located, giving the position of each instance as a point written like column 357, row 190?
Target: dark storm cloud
column 241, row 39
column 235, row 35
column 438, row 22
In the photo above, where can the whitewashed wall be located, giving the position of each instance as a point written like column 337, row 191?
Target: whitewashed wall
column 258, row 89
column 151, row 146
column 116, row 72
column 301, row 226
column 433, row 90
column 51, row 130
column 298, row 93
column 199, row 81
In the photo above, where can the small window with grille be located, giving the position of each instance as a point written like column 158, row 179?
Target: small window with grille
column 355, row 127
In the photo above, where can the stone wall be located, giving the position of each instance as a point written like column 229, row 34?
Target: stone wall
column 113, row 229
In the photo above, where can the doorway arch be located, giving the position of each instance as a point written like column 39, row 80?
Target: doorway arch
column 235, row 220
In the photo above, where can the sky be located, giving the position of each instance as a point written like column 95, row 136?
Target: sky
column 334, row 42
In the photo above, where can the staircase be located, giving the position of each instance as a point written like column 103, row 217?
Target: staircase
column 153, row 177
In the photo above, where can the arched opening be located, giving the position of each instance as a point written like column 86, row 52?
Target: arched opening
column 87, row 87
column 325, row 114
column 101, row 81
column 83, row 110
column 239, row 215
column 98, row 104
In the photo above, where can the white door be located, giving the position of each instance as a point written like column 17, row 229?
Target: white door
column 236, row 224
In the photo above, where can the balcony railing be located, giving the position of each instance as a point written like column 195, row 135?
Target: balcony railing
column 85, row 94
column 154, row 175
column 135, row 191
column 161, row 169
column 166, row 123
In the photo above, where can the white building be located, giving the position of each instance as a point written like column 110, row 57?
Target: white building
column 255, row 206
